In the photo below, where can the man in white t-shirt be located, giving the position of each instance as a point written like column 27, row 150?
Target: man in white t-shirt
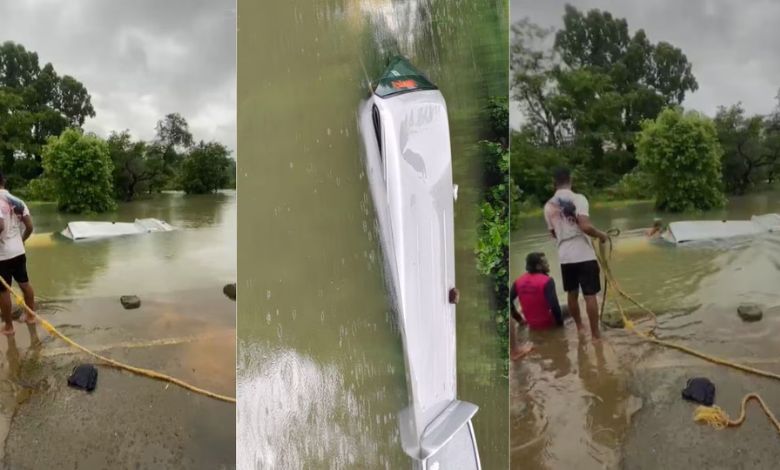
column 15, row 227
column 567, row 219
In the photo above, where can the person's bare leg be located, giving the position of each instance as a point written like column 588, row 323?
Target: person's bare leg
column 29, row 299
column 5, row 310
column 592, row 307
column 572, row 300
column 513, row 344
column 517, row 350
column 12, row 353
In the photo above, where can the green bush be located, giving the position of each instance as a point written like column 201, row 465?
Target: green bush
column 633, row 185
column 80, row 169
column 682, row 156
column 39, row 189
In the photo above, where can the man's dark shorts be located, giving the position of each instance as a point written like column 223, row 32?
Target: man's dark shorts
column 14, row 269
column 584, row 275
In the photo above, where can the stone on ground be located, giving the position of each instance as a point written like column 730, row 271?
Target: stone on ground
column 130, row 301
column 750, row 312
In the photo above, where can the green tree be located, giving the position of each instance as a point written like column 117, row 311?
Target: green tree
column 534, row 85
column 772, row 142
column 231, row 174
column 584, row 91
column 750, row 146
column 80, row 169
column 133, row 170
column 532, row 165
column 205, row 168
column 682, row 156
column 35, row 104
column 167, row 152
column 613, row 80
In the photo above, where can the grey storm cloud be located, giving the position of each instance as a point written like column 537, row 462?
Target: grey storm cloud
column 731, row 45
column 140, row 60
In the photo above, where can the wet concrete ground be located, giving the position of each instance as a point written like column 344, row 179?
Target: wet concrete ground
column 576, row 404
column 128, row 421
column 663, row 433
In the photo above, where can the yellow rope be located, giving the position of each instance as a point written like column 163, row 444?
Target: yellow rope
column 111, row 362
column 714, row 416
column 718, row 419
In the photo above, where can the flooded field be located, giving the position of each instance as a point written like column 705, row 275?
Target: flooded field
column 185, row 327
column 617, row 404
column 320, row 362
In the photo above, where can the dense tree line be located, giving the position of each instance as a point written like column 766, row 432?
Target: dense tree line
column 589, row 93
column 45, row 154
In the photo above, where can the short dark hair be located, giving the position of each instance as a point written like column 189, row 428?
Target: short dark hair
column 533, row 262
column 561, row 176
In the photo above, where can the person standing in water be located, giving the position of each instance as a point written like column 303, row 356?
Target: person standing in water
column 15, row 228
column 534, row 293
column 656, row 230
column 567, row 217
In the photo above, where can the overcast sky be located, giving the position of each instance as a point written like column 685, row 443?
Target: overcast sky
column 140, row 60
column 732, row 45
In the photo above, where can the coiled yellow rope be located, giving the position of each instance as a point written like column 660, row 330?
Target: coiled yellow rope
column 111, row 362
column 714, row 415
column 718, row 419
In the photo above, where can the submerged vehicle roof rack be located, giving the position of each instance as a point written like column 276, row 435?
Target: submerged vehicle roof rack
column 400, row 76
column 700, row 230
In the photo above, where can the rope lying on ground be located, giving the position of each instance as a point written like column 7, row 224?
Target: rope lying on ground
column 718, row 419
column 111, row 362
column 714, row 416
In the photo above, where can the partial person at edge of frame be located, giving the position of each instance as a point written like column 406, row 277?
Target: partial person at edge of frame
column 13, row 260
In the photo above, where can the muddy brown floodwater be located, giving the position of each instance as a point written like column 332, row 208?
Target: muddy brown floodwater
column 576, row 404
column 185, row 327
column 321, row 374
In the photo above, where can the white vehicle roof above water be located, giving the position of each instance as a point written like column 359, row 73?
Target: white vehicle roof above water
column 84, row 230
column 703, row 230
column 405, row 132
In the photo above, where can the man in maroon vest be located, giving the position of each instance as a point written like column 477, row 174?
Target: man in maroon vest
column 535, row 291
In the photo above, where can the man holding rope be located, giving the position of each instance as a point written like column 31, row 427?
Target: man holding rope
column 566, row 214
column 14, row 215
